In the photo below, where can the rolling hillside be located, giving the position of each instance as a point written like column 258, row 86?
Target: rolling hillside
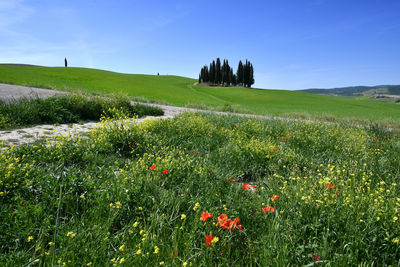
column 181, row 91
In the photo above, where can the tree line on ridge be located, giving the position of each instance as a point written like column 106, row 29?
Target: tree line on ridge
column 218, row 74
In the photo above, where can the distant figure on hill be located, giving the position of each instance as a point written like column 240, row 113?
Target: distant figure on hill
column 66, row 62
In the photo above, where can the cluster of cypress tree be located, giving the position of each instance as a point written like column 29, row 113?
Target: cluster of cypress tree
column 217, row 74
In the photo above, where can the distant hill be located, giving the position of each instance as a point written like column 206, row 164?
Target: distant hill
column 357, row 91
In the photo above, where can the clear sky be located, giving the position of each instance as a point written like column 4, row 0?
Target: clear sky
column 293, row 44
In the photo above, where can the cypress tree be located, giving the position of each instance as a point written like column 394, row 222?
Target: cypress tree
column 239, row 73
column 212, row 72
column 251, row 80
column 206, row 74
column 224, row 77
column 218, row 71
column 245, row 74
column 227, row 73
column 234, row 82
column 230, row 77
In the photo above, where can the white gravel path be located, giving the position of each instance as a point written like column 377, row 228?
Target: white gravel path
column 9, row 92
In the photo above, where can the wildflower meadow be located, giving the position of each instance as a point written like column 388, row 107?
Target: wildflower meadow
column 204, row 190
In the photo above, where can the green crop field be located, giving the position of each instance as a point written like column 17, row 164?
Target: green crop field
column 180, row 91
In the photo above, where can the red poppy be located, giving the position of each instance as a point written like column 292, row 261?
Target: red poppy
column 315, row 257
column 213, row 124
column 209, row 239
column 205, row 215
column 246, row 186
column 268, row 209
column 254, row 186
column 222, row 219
column 165, row 171
column 195, row 154
column 274, row 197
column 235, row 224
column 152, row 167
column 227, row 223
column 133, row 140
column 226, row 245
column 232, row 180
column 329, row 186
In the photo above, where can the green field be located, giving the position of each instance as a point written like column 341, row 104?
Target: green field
column 180, row 91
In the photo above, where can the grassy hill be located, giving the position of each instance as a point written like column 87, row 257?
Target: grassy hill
column 180, row 91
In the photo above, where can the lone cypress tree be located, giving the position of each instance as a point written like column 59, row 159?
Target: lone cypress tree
column 65, row 62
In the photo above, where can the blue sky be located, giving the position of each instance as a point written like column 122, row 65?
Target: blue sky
column 293, row 44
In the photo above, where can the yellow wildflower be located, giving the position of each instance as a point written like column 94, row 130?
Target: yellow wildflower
column 118, row 205
column 71, row 234
column 51, row 244
column 183, row 217
column 161, row 263
column 122, row 260
column 135, row 224
column 121, row 248
column 185, row 264
column 139, row 251
column 196, row 206
column 156, row 250
column 30, row 238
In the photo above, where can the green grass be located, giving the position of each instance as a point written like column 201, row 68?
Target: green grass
column 68, row 108
column 100, row 202
column 180, row 91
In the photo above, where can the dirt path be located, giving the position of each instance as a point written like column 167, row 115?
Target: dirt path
column 10, row 92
